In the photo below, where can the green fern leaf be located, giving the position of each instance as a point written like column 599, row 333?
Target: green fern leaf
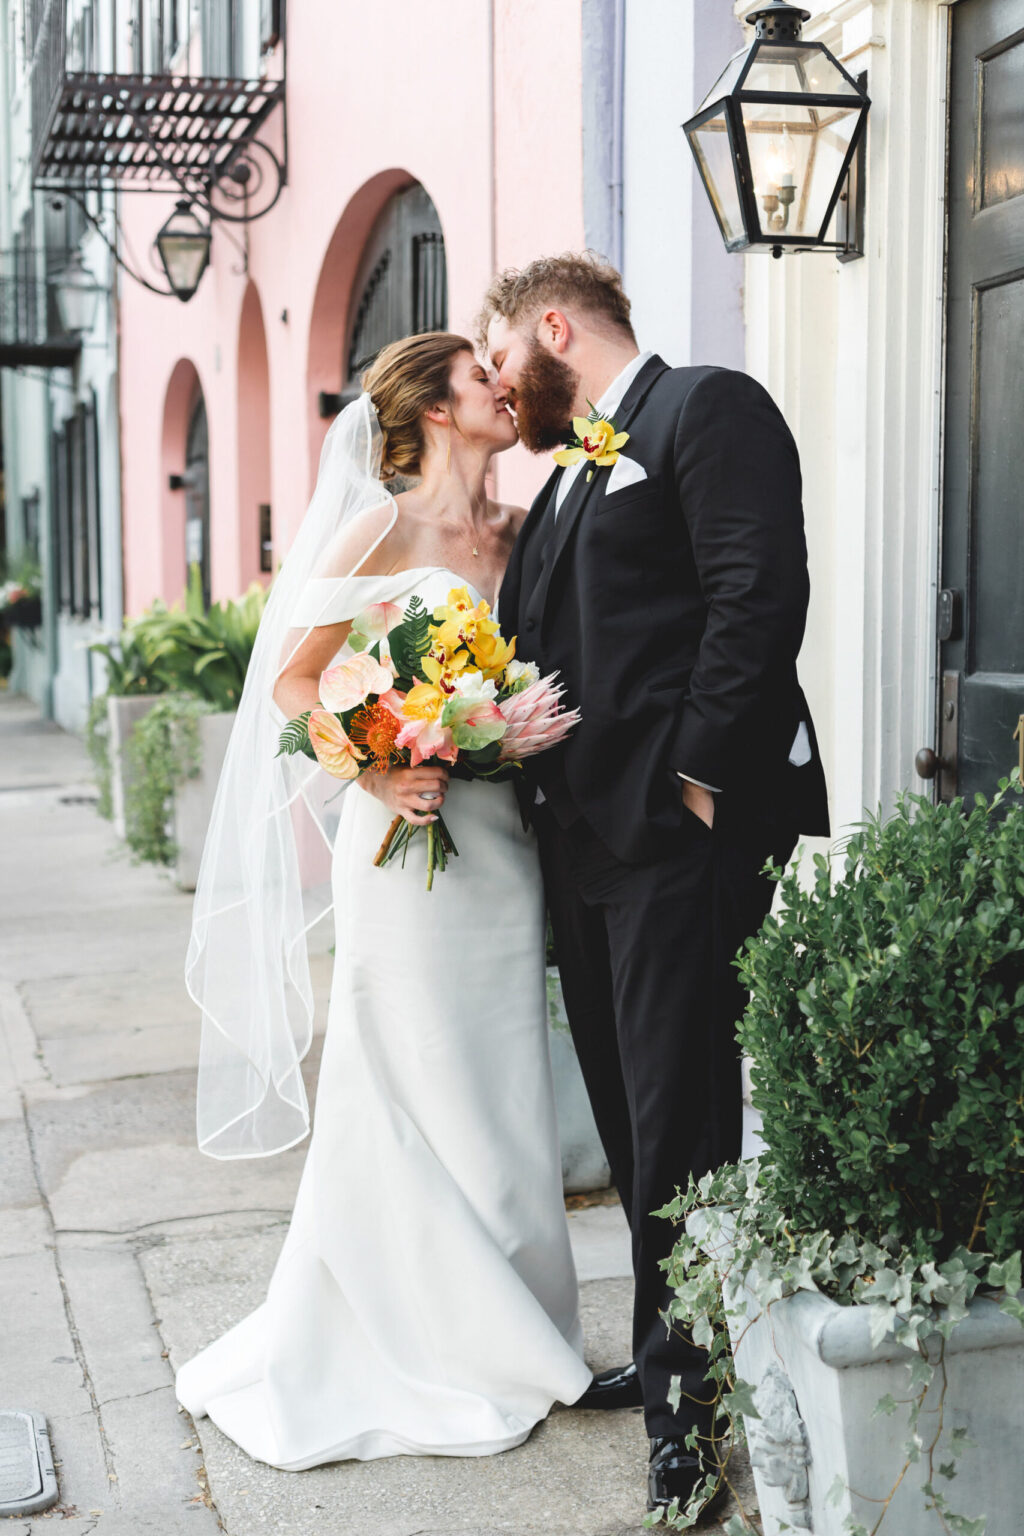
column 295, row 736
column 411, row 639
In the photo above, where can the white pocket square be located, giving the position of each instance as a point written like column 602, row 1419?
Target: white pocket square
column 624, row 472
column 800, row 751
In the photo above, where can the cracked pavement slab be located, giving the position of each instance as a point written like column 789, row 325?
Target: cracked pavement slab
column 128, row 1250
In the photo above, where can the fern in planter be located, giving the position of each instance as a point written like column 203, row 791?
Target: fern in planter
column 163, row 751
column 886, row 1033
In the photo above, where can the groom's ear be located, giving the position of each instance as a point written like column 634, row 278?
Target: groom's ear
column 554, row 330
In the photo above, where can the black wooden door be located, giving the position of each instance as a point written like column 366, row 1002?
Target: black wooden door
column 981, row 606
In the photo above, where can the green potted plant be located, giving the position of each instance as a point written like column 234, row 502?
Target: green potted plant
column 856, row 1287
column 21, row 599
column 134, row 683
column 164, row 761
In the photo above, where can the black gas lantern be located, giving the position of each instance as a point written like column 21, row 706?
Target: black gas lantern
column 184, row 247
column 775, row 138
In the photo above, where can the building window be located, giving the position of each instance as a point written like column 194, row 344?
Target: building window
column 76, row 513
column 401, row 286
column 221, row 39
column 30, row 525
column 266, row 538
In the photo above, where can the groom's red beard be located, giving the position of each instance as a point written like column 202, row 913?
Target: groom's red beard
column 544, row 398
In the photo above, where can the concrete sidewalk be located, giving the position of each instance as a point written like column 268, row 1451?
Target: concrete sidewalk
column 123, row 1250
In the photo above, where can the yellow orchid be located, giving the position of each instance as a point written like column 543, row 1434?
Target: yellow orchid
column 596, row 440
column 460, row 620
column 423, row 702
column 459, row 601
column 492, row 654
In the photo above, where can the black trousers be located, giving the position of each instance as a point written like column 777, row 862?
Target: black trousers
column 652, row 999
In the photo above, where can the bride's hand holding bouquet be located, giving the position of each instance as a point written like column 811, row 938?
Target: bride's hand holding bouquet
column 431, row 695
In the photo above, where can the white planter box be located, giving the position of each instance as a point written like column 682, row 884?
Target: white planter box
column 817, row 1379
column 193, row 800
column 123, row 714
column 584, row 1166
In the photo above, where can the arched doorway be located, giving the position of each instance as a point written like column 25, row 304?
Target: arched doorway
column 255, row 526
column 184, row 482
column 401, row 284
column 197, row 494
column 383, row 275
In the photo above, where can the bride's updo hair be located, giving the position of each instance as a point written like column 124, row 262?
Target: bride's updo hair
column 405, row 379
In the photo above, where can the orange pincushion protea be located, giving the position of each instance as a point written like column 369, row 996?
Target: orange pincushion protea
column 375, row 729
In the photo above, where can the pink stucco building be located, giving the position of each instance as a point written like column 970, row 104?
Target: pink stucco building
column 404, row 122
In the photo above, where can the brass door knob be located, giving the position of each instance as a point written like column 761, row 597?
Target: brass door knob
column 927, row 763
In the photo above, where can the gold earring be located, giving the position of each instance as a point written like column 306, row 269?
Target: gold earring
column 448, row 456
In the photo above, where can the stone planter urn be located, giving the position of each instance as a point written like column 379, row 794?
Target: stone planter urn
column 817, row 1379
column 193, row 799
column 123, row 714
column 584, row 1166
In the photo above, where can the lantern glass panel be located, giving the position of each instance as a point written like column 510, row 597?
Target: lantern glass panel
column 726, row 80
column 713, row 150
column 184, row 256
column 797, row 71
column 796, row 159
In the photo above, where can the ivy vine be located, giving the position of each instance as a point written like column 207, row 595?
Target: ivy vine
column 161, row 752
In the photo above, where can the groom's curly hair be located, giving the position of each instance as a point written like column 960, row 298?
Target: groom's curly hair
column 580, row 280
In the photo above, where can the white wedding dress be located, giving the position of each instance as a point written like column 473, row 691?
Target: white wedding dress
column 425, row 1300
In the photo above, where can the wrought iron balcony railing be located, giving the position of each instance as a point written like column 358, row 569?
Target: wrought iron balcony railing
column 126, row 110
column 30, row 325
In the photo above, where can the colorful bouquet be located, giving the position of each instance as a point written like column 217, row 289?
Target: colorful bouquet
column 429, row 688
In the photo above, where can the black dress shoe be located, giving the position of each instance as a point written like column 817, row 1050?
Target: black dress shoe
column 673, row 1473
column 617, row 1388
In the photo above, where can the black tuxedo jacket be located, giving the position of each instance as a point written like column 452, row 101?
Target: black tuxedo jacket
column 674, row 610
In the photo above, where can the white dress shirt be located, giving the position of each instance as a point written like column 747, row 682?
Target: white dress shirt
column 606, row 407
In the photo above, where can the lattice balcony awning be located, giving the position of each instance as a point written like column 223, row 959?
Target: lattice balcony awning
column 155, row 100
column 148, row 132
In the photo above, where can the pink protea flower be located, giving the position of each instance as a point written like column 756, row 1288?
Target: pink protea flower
column 536, row 720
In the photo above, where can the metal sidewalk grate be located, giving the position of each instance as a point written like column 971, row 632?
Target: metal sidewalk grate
column 28, row 1482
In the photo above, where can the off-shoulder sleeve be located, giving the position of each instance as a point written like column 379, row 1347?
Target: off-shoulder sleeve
column 334, row 600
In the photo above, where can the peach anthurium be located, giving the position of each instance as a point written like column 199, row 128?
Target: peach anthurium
column 352, row 681
column 376, row 622
column 597, row 441
column 334, row 751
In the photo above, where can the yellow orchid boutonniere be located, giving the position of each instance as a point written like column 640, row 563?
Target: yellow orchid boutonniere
column 595, row 439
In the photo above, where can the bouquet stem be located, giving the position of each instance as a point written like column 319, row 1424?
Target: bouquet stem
column 389, row 837
column 440, row 845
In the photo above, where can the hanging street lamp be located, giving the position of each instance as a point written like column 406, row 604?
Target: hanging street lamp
column 775, row 137
column 184, row 247
column 78, row 295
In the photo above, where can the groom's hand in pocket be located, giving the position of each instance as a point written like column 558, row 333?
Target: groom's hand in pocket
column 415, row 793
column 700, row 801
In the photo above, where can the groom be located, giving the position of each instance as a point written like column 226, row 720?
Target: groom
column 669, row 589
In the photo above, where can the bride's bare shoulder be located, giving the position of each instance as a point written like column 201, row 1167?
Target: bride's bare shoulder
column 371, row 543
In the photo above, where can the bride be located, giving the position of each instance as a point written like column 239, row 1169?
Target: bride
column 425, row 1300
